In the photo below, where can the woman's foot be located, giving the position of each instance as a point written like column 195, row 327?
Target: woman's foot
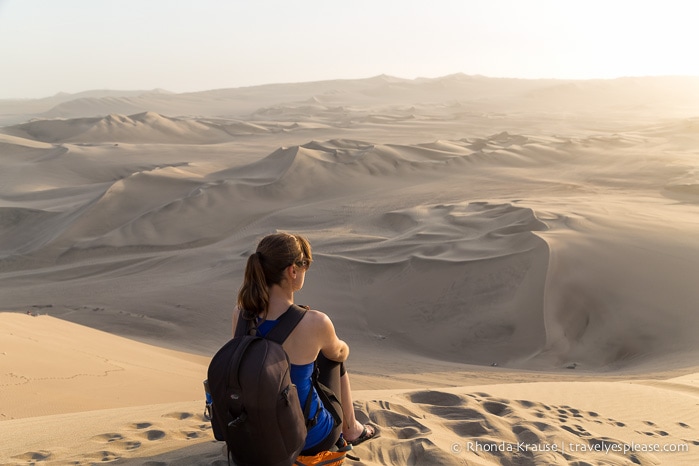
column 360, row 433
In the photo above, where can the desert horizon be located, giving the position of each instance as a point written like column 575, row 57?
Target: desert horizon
column 512, row 262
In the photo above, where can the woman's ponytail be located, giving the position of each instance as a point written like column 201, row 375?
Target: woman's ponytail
column 253, row 297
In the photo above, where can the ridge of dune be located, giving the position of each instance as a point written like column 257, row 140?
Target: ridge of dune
column 145, row 127
column 340, row 164
column 344, row 158
column 15, row 142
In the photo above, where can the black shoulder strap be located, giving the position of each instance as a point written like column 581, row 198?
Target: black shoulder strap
column 286, row 324
column 241, row 328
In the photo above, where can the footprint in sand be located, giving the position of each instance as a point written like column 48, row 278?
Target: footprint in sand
column 497, row 407
column 132, row 445
column 527, row 404
column 565, row 414
column 34, row 456
column 179, row 415
column 469, row 428
column 657, row 433
column 108, row 437
column 436, row 398
column 577, row 430
column 151, row 435
column 140, row 425
column 117, row 440
column 190, row 434
column 464, row 422
column 456, row 413
column 542, row 426
column 154, row 434
column 102, row 457
column 396, row 407
column 527, row 434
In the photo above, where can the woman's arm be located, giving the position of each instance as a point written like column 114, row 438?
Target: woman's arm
column 331, row 346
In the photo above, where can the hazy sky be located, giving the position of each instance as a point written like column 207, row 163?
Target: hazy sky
column 48, row 46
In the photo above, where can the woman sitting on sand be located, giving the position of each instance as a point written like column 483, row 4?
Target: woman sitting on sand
column 273, row 273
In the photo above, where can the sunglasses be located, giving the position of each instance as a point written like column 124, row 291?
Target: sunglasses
column 304, row 264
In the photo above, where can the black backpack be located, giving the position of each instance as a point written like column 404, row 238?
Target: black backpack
column 254, row 406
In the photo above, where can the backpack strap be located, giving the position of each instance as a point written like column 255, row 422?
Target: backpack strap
column 286, row 324
column 241, row 328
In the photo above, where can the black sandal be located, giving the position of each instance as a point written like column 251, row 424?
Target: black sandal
column 364, row 436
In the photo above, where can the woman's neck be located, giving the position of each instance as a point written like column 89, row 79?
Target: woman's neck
column 279, row 301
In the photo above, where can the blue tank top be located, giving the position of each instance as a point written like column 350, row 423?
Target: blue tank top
column 301, row 376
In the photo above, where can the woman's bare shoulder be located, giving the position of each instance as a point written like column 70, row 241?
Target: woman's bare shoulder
column 317, row 320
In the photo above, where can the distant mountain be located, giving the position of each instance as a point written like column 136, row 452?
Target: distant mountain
column 13, row 111
column 674, row 96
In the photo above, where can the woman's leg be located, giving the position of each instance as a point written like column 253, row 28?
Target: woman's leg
column 351, row 428
column 329, row 374
column 333, row 375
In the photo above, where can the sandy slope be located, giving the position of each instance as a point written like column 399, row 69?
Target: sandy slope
column 101, row 398
column 474, row 238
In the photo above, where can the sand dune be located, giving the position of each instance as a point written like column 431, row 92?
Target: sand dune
column 47, row 368
column 147, row 127
column 472, row 203
column 54, row 419
column 510, row 260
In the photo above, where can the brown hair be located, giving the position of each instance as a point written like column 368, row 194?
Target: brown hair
column 265, row 267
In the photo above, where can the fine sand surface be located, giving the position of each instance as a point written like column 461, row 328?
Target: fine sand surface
column 514, row 264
